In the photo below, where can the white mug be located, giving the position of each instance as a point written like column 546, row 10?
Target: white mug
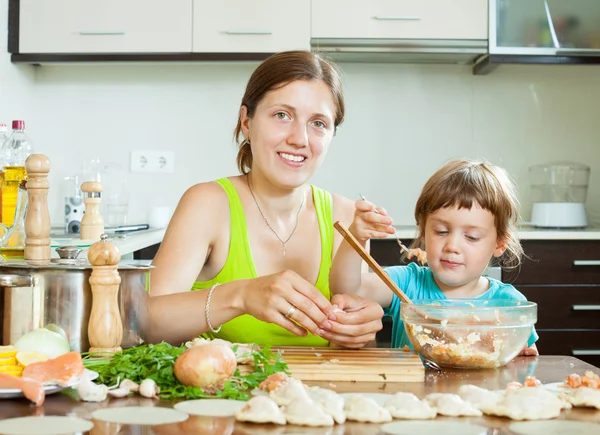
column 159, row 216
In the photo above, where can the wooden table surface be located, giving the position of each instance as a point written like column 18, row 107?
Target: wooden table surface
column 545, row 368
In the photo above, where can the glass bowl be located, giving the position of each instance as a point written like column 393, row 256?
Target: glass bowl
column 469, row 333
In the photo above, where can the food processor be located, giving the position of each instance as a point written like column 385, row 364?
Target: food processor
column 559, row 192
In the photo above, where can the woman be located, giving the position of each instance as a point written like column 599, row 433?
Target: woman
column 260, row 245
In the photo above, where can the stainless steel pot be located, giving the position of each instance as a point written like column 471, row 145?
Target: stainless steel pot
column 59, row 292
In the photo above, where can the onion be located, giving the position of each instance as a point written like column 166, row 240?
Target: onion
column 51, row 344
column 207, row 366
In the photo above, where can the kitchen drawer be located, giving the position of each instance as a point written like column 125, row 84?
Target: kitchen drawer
column 558, row 262
column 565, row 306
column 581, row 344
column 263, row 26
column 108, row 26
column 400, row 19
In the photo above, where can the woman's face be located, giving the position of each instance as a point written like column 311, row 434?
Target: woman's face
column 290, row 131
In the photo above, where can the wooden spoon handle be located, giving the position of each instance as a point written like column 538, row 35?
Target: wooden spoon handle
column 371, row 262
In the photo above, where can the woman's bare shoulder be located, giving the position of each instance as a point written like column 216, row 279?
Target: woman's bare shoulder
column 343, row 209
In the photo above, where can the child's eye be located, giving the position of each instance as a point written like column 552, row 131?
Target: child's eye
column 281, row 115
column 473, row 239
column 441, row 233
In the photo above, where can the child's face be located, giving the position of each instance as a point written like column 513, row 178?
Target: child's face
column 460, row 244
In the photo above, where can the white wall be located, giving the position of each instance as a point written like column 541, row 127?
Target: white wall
column 403, row 122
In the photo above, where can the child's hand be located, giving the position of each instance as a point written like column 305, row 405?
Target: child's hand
column 529, row 351
column 370, row 222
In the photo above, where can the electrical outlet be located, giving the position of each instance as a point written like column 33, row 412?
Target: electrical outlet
column 152, row 161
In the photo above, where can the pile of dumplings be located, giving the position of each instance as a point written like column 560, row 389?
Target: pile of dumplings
column 284, row 400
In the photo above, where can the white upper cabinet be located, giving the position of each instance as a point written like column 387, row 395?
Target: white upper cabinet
column 400, row 19
column 260, row 26
column 105, row 26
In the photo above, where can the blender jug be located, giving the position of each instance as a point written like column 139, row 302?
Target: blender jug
column 559, row 192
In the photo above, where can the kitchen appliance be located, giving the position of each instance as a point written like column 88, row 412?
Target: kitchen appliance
column 59, row 292
column 559, row 192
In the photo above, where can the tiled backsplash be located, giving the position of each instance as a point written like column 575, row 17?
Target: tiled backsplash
column 402, row 123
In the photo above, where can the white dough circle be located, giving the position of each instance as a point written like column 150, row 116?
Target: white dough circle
column 47, row 425
column 432, row 428
column 210, row 407
column 555, row 427
column 380, row 398
column 141, row 415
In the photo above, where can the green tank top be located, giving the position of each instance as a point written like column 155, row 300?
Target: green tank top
column 240, row 265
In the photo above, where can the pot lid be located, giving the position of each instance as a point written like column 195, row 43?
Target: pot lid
column 74, row 264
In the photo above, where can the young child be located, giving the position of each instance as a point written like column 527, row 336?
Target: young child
column 466, row 214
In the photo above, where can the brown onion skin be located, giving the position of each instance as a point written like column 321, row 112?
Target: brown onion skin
column 191, row 366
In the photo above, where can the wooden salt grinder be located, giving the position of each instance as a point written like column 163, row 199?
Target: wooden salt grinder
column 92, row 224
column 105, row 329
column 37, row 218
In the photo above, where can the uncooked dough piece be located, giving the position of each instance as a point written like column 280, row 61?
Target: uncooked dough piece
column 210, row 407
column 584, row 396
column 141, row 415
column 432, row 428
column 555, row 427
column 288, row 392
column 47, row 425
column 452, row 405
column 364, row 409
column 408, row 406
column 480, row 397
column 330, row 402
column 302, row 411
column 527, row 403
column 260, row 409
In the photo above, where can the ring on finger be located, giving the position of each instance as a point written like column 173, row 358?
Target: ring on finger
column 291, row 311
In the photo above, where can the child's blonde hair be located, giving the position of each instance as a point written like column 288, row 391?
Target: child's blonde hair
column 460, row 183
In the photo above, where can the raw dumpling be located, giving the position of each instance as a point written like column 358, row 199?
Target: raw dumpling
column 408, row 406
column 530, row 403
column 365, row 409
column 481, row 398
column 288, row 392
column 304, row 412
column 584, row 396
column 260, row 409
column 452, row 405
column 330, row 402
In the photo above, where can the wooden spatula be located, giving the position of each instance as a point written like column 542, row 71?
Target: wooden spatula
column 371, row 262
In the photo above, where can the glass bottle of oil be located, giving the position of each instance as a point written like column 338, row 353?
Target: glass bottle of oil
column 15, row 151
column 13, row 244
column 3, row 138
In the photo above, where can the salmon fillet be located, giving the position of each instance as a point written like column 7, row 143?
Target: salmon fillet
column 62, row 370
column 32, row 389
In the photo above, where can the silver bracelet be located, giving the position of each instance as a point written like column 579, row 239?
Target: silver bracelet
column 207, row 309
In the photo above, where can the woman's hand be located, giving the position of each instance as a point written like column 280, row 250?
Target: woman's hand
column 289, row 301
column 356, row 324
column 370, row 222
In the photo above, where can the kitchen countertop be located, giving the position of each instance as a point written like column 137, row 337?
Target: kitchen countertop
column 525, row 233
column 545, row 368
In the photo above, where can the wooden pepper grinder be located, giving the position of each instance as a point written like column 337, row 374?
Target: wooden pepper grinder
column 37, row 218
column 92, row 224
column 105, row 329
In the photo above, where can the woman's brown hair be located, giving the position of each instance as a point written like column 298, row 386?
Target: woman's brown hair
column 461, row 183
column 277, row 71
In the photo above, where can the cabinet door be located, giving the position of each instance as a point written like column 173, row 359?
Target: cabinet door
column 401, row 19
column 107, row 26
column 259, row 26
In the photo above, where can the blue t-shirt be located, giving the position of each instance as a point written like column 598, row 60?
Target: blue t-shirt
column 417, row 283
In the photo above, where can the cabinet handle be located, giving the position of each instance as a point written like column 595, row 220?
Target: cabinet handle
column 585, row 352
column 102, row 33
column 586, row 263
column 394, row 18
column 586, row 307
column 248, row 32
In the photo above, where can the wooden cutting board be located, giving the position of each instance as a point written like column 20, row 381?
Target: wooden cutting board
column 347, row 365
